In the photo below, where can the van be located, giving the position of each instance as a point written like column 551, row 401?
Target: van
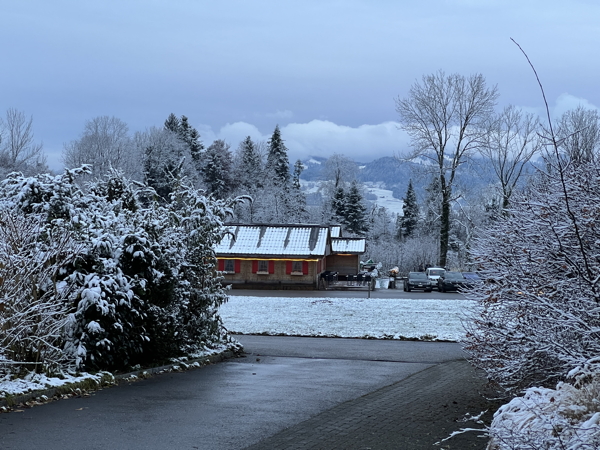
column 433, row 273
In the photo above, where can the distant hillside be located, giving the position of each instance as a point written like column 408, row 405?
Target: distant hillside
column 313, row 166
column 392, row 174
column 389, row 171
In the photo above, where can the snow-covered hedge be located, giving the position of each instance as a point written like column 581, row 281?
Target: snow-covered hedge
column 141, row 287
column 565, row 418
column 540, row 306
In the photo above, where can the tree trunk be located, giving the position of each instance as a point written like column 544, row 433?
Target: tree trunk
column 444, row 221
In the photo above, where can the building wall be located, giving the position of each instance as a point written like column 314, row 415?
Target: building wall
column 343, row 264
column 279, row 275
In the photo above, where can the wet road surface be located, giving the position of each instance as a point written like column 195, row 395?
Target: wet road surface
column 286, row 392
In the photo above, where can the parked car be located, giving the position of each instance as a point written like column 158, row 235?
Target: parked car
column 451, row 281
column 473, row 279
column 417, row 280
column 433, row 273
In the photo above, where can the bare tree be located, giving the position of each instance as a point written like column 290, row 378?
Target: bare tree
column 445, row 117
column 105, row 144
column 340, row 169
column 512, row 141
column 18, row 150
column 578, row 134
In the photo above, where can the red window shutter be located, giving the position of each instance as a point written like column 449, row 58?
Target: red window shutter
column 305, row 267
column 288, row 267
column 236, row 266
column 221, row 265
column 271, row 266
column 254, row 266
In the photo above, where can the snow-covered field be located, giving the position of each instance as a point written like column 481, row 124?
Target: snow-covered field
column 385, row 198
column 347, row 317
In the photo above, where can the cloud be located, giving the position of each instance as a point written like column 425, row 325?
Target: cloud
column 324, row 138
column 320, row 138
column 566, row 102
column 234, row 133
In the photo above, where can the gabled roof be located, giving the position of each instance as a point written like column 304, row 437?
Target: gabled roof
column 269, row 240
column 348, row 245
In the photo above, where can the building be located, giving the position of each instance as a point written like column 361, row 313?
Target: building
column 286, row 256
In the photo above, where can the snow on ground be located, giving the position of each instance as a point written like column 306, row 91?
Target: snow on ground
column 346, row 317
column 385, row 198
column 36, row 381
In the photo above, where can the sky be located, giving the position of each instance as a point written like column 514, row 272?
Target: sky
column 328, row 72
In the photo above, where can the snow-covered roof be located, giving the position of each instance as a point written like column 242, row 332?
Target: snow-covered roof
column 274, row 241
column 336, row 231
column 348, row 245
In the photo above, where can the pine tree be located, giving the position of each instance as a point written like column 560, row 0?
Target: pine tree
column 249, row 168
column 172, row 123
column 338, row 205
column 187, row 134
column 297, row 203
column 410, row 210
column 278, row 164
column 356, row 220
column 195, row 145
column 216, row 169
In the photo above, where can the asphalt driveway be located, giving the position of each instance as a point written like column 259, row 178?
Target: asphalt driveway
column 286, row 392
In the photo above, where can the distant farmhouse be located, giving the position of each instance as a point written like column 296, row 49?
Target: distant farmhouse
column 286, row 256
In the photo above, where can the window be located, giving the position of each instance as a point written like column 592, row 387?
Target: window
column 229, row 266
column 297, row 266
column 263, row 266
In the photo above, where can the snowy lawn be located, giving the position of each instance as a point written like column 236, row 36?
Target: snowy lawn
column 347, row 317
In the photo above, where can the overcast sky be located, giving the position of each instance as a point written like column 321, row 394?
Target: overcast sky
column 327, row 72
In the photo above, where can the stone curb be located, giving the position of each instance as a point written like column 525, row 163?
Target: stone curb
column 81, row 387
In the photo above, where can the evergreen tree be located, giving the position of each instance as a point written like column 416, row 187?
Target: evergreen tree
column 165, row 158
column 298, row 169
column 356, row 220
column 172, row 123
column 338, row 205
column 249, row 170
column 297, row 206
column 216, row 169
column 410, row 210
column 195, row 145
column 277, row 160
column 187, row 134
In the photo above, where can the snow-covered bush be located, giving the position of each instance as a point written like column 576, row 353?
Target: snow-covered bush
column 144, row 287
column 567, row 417
column 34, row 309
column 539, row 310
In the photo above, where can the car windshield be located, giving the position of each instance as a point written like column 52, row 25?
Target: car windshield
column 437, row 272
column 417, row 275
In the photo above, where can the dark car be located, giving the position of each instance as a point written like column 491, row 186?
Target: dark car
column 451, row 281
column 473, row 279
column 417, row 280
